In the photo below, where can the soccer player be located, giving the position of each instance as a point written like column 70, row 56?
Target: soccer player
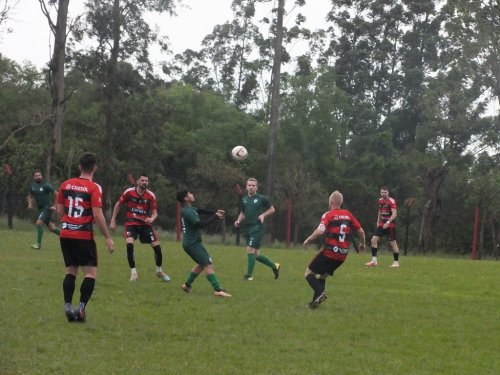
column 140, row 201
column 385, row 226
column 79, row 205
column 41, row 191
column 338, row 224
column 255, row 208
column 191, row 241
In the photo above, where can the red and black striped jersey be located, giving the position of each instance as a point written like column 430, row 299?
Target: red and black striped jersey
column 79, row 195
column 385, row 208
column 338, row 224
column 138, row 206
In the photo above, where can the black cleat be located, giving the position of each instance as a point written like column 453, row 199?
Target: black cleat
column 70, row 315
column 276, row 271
column 80, row 314
column 314, row 304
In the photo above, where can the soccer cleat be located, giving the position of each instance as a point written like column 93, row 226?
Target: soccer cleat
column 80, row 314
column 186, row 288
column 314, row 304
column 394, row 265
column 36, row 246
column 134, row 277
column 222, row 293
column 372, row 263
column 247, row 278
column 276, row 271
column 70, row 315
column 162, row 275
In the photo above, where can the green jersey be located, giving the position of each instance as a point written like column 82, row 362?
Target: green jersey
column 41, row 192
column 191, row 233
column 253, row 207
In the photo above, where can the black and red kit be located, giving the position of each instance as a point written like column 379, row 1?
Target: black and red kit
column 79, row 195
column 138, row 206
column 385, row 207
column 338, row 225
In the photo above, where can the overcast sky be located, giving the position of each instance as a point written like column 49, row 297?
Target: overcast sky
column 31, row 37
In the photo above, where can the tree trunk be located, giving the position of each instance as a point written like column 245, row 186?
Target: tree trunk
column 431, row 208
column 480, row 248
column 56, row 66
column 110, row 111
column 275, row 102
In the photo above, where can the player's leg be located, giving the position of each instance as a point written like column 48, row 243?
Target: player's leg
column 148, row 235
column 262, row 258
column 130, row 254
column 52, row 228
column 374, row 244
column 39, row 231
column 212, row 279
column 316, row 267
column 88, row 262
column 71, row 264
column 394, row 245
column 187, row 286
column 250, row 258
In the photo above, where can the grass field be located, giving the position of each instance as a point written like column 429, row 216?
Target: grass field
column 430, row 316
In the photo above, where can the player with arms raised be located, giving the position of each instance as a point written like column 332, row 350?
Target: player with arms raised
column 139, row 201
column 338, row 224
column 79, row 205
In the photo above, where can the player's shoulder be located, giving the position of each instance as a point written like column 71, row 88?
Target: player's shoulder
column 150, row 193
column 392, row 200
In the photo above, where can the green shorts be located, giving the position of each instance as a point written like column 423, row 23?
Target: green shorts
column 254, row 237
column 45, row 215
column 199, row 254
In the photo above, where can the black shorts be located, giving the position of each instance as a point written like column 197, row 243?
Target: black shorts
column 146, row 233
column 78, row 253
column 389, row 232
column 321, row 264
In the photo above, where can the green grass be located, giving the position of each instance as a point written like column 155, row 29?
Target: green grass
column 430, row 316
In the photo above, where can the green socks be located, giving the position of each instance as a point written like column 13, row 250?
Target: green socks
column 40, row 234
column 192, row 276
column 265, row 260
column 251, row 264
column 213, row 280
column 57, row 231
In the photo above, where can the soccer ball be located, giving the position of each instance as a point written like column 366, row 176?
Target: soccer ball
column 239, row 153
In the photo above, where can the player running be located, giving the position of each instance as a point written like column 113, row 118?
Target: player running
column 41, row 191
column 338, row 224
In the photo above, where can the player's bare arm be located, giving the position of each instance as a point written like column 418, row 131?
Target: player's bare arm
column 101, row 224
column 270, row 211
column 316, row 234
column 362, row 237
column 392, row 218
column 154, row 215
column 238, row 221
column 116, row 209
column 54, row 207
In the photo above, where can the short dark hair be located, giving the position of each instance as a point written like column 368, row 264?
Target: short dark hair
column 87, row 162
column 384, row 188
column 143, row 175
column 35, row 171
column 182, row 194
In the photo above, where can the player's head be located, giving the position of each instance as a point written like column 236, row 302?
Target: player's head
column 252, row 186
column 336, row 199
column 184, row 196
column 143, row 180
column 37, row 176
column 384, row 192
column 88, row 162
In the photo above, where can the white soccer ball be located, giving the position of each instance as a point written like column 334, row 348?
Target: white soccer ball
column 239, row 153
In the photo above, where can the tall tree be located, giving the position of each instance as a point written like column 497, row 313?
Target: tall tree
column 56, row 76
column 117, row 32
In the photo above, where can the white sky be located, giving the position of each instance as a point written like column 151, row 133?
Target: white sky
column 31, row 37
